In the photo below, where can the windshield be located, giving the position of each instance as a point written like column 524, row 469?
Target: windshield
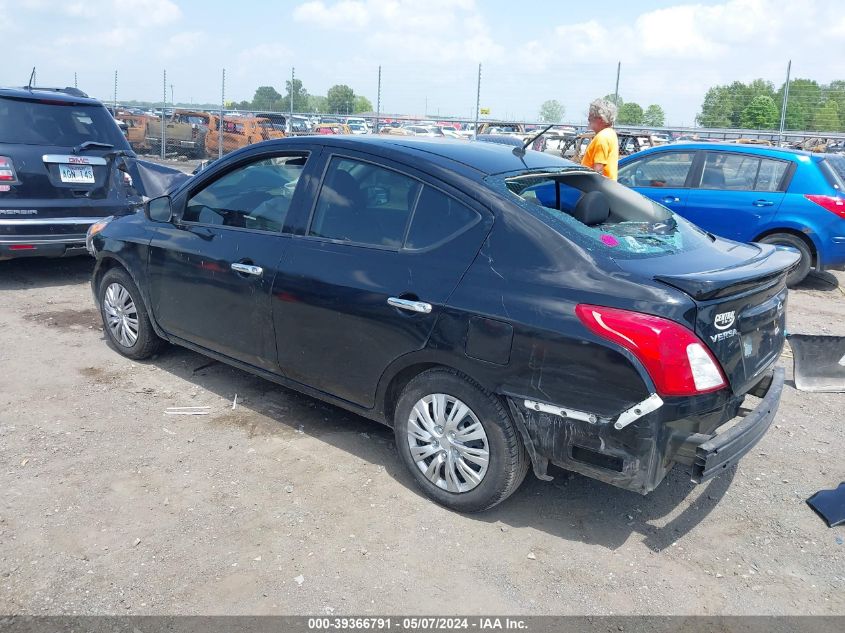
column 62, row 124
column 600, row 214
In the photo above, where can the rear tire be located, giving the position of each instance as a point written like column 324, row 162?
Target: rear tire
column 468, row 459
column 125, row 318
column 806, row 263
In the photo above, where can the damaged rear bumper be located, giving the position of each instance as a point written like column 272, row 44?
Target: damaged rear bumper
column 719, row 452
column 638, row 455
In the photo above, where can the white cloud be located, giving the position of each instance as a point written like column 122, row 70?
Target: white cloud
column 344, row 15
column 437, row 31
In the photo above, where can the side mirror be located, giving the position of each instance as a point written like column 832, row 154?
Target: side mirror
column 159, row 209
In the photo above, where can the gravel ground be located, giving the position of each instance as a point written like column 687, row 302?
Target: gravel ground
column 285, row 505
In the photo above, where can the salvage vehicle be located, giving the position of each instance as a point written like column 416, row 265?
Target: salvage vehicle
column 184, row 132
column 240, row 132
column 751, row 193
column 58, row 149
column 501, row 309
column 136, row 129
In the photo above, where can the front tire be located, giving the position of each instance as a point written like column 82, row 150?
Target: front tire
column 458, row 441
column 125, row 318
column 787, row 239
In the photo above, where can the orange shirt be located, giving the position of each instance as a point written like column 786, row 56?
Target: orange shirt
column 604, row 149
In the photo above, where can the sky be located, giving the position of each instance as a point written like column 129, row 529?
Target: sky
column 429, row 50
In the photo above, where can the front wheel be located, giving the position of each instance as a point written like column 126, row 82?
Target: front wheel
column 458, row 441
column 125, row 319
column 786, row 239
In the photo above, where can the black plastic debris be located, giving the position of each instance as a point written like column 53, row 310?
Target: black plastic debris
column 830, row 505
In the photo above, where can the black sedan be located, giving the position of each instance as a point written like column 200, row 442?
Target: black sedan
column 500, row 309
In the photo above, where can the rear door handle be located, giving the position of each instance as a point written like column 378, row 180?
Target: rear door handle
column 248, row 269
column 670, row 199
column 410, row 306
column 763, row 203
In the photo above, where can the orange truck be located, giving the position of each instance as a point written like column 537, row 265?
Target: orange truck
column 240, row 131
column 136, row 130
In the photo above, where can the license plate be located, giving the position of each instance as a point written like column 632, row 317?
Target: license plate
column 77, row 174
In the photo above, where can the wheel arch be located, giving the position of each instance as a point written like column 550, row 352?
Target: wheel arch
column 814, row 251
column 109, row 261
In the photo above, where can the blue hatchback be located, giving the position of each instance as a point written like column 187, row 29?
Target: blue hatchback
column 751, row 194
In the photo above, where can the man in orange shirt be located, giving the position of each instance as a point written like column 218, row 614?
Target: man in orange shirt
column 602, row 154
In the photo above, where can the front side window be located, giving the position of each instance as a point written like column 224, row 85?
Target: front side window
column 664, row 170
column 255, row 196
column 363, row 203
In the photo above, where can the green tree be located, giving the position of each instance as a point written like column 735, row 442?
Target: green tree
column 266, row 98
column 551, row 111
column 826, row 118
column 760, row 114
column 317, row 103
column 630, row 114
column 242, row 105
column 362, row 104
column 617, row 100
column 341, row 99
column 654, row 116
column 300, row 97
column 716, row 109
column 835, row 91
column 804, row 99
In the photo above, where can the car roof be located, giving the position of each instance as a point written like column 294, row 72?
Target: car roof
column 737, row 148
column 63, row 95
column 487, row 158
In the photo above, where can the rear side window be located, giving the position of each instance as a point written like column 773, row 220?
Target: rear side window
column 364, row 203
column 66, row 125
column 770, row 175
column 664, row 170
column 437, row 218
column 739, row 172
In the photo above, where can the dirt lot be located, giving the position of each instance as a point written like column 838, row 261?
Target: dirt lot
column 285, row 505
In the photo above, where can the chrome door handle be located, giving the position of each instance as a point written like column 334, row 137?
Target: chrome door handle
column 248, row 269
column 670, row 199
column 411, row 306
column 763, row 203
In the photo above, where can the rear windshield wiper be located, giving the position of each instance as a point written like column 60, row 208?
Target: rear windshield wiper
column 90, row 144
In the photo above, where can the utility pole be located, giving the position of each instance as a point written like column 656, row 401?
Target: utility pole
column 477, row 104
column 172, row 100
column 785, row 101
column 378, row 99
column 163, row 108
column 74, row 81
column 115, row 92
column 616, row 91
column 290, row 123
column 220, row 122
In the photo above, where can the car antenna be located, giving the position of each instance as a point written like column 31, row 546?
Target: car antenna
column 520, row 151
column 31, row 78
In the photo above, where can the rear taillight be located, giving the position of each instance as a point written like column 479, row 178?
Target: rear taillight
column 834, row 204
column 7, row 170
column 677, row 361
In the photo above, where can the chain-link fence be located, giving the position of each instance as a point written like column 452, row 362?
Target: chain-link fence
column 407, row 101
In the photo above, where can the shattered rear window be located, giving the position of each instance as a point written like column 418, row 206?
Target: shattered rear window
column 631, row 225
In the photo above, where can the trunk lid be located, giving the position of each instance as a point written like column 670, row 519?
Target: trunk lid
column 740, row 295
